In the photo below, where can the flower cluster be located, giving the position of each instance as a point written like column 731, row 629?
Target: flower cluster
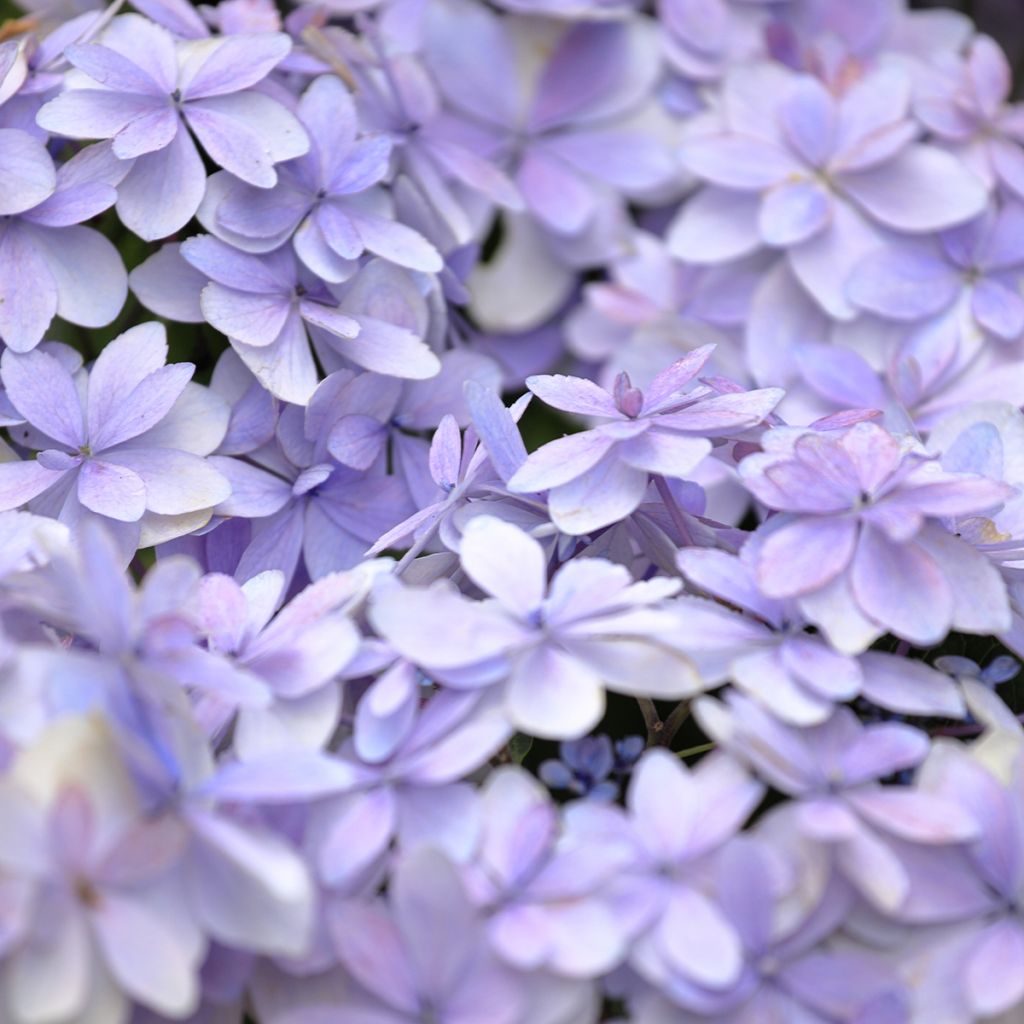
column 407, row 403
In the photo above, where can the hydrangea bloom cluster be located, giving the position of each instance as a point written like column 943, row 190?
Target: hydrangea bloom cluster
column 510, row 513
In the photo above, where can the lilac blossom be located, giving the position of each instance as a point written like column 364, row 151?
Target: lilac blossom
column 599, row 476
column 154, row 93
column 123, row 442
column 51, row 265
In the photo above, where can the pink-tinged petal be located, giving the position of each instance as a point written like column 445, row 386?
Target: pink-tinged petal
column 823, row 263
column 873, row 118
column 388, row 348
column 176, row 173
column 922, row 189
column 43, row 391
column 917, row 816
column 793, row 212
column 665, row 454
column 146, row 954
column 20, row 482
column 804, row 555
column 254, row 318
column 994, row 974
column 26, row 170
column 553, row 695
column 236, row 63
column 998, row 308
column 505, row 563
column 902, row 588
column 93, row 113
column 573, row 394
column 903, row 282
column 603, row 495
column 247, row 133
column 699, row 942
column 396, row 242
column 555, row 193
column 28, row 291
column 808, row 116
column 146, row 134
column 112, row 491
column 715, row 225
column 739, row 162
column 176, row 482
column 560, row 461
column 115, row 71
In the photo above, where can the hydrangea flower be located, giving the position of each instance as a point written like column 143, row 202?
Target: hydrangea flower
column 123, row 442
column 797, row 168
column 860, row 542
column 557, row 646
column 600, row 476
column 328, row 198
column 149, row 93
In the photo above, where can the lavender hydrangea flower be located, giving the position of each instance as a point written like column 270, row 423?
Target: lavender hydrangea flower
column 50, row 264
column 833, row 768
column 796, row 168
column 969, row 279
column 597, row 477
column 860, row 542
column 964, row 101
column 769, row 654
column 153, row 91
column 557, row 646
column 328, row 198
column 124, row 442
column 268, row 306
